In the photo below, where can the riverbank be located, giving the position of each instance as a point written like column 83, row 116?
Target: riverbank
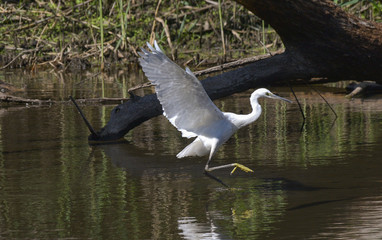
column 76, row 35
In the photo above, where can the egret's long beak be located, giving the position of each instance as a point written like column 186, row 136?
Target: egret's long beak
column 274, row 96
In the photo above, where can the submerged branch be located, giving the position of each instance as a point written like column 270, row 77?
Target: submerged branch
column 6, row 98
column 90, row 127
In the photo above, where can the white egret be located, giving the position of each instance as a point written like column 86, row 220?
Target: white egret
column 187, row 106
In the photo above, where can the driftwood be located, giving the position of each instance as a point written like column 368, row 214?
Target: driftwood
column 367, row 87
column 13, row 99
column 7, row 98
column 321, row 41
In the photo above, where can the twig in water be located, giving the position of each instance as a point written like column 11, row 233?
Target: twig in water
column 298, row 102
column 91, row 129
column 299, row 105
column 318, row 92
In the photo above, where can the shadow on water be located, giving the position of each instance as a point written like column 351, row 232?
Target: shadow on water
column 213, row 177
column 280, row 183
column 314, row 204
column 130, row 158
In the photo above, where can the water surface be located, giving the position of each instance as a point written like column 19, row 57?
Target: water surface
column 320, row 180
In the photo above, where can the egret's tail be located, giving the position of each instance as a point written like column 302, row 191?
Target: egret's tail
column 196, row 148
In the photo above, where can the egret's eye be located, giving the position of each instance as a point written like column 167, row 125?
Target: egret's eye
column 268, row 94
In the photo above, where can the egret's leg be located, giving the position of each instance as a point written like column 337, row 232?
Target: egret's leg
column 234, row 165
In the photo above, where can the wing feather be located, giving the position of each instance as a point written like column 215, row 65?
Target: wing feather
column 185, row 102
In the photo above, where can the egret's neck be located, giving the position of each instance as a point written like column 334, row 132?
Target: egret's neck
column 240, row 120
column 256, row 110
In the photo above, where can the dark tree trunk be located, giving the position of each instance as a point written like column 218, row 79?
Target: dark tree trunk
column 324, row 40
column 321, row 41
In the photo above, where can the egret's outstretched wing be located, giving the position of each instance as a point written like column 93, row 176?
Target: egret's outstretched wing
column 185, row 102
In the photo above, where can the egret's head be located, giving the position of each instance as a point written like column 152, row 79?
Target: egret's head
column 263, row 92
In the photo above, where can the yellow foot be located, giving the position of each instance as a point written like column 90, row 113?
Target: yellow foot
column 242, row 167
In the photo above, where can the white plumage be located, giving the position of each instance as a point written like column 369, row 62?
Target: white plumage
column 187, row 106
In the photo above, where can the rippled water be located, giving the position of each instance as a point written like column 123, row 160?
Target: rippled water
column 321, row 180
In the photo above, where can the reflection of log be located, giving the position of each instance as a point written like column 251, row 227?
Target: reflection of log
column 321, row 41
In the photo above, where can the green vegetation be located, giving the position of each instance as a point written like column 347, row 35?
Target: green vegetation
column 46, row 33
column 371, row 10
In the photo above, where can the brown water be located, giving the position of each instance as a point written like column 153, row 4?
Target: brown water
column 321, row 181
